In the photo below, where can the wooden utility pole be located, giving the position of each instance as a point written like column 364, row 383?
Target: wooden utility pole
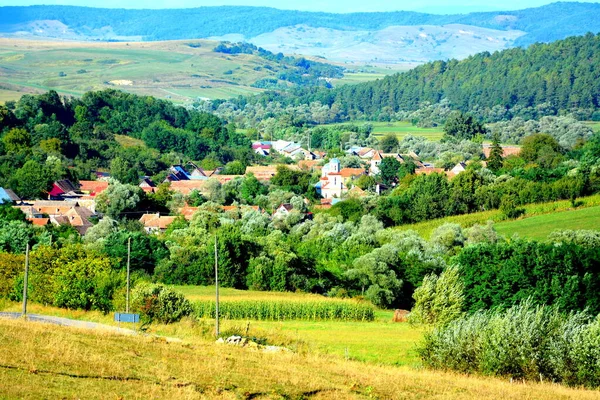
column 26, row 280
column 128, row 266
column 216, row 288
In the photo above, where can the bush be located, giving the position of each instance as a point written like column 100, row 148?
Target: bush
column 523, row 342
column 159, row 303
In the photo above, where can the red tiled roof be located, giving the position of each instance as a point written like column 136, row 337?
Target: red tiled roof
column 93, row 188
column 39, row 221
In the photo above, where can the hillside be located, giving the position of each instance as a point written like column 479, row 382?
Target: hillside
column 357, row 37
column 39, row 361
column 562, row 75
column 177, row 70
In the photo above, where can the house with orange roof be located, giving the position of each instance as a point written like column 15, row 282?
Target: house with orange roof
column 154, row 223
column 93, row 188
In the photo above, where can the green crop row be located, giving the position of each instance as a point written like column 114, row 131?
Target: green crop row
column 326, row 310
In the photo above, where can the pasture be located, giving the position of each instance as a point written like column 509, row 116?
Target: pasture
column 559, row 212
column 401, row 129
column 539, row 227
column 46, row 361
column 177, row 70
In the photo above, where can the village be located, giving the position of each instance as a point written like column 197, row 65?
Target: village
column 75, row 204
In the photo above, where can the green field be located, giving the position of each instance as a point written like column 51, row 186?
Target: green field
column 395, row 342
column 401, row 129
column 177, row 70
column 541, row 226
column 595, row 125
column 531, row 210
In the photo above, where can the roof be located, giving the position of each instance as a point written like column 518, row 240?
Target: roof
column 356, row 192
column 186, row 187
column 377, row 156
column 54, row 208
column 39, row 221
column 93, row 188
column 7, row 195
column 506, row 150
column 147, row 182
column 309, row 164
column 286, row 206
column 156, row 221
column 351, row 172
column 364, row 151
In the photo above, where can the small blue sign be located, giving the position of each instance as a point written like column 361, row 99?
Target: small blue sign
column 125, row 317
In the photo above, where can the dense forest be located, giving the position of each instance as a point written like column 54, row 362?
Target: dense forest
column 551, row 22
column 544, row 79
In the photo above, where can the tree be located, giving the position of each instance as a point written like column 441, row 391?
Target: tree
column 31, row 181
column 235, row 167
column 376, row 273
column 439, row 300
column 17, row 140
column 389, row 169
column 542, row 149
column 389, row 143
column 495, row 160
column 463, row 126
column 118, row 198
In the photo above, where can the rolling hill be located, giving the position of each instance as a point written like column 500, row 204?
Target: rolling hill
column 353, row 37
column 177, row 70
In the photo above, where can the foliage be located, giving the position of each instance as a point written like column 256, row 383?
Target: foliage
column 463, row 126
column 119, row 198
column 158, row 303
column 525, row 342
column 502, row 274
column 439, row 300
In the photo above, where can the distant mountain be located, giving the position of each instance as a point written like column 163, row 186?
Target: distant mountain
column 362, row 35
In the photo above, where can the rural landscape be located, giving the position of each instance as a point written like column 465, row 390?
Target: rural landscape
column 242, row 202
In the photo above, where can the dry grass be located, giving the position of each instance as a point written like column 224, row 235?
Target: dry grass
column 41, row 361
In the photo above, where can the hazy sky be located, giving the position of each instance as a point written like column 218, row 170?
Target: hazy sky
column 439, row 6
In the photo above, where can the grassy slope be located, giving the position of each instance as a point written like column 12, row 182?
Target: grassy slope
column 162, row 69
column 561, row 209
column 541, row 226
column 41, row 361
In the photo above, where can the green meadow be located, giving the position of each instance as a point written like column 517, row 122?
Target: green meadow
column 539, row 227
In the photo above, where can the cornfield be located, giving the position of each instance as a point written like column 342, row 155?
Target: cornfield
column 325, row 310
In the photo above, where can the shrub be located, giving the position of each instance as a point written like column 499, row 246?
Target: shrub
column 159, row 303
column 524, row 342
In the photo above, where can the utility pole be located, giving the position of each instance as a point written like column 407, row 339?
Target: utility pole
column 128, row 266
column 216, row 289
column 26, row 280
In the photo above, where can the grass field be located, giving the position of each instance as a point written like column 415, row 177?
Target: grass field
column 595, row 125
column 173, row 70
column 44, row 361
column 559, row 208
column 402, row 129
column 128, row 141
column 541, row 226
column 395, row 344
